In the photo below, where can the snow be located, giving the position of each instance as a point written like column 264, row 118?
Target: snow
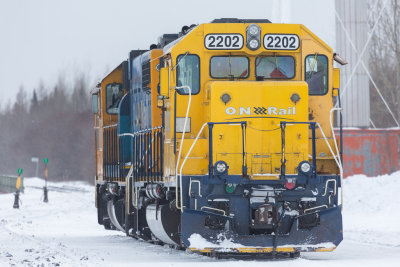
column 198, row 242
column 65, row 231
column 371, row 209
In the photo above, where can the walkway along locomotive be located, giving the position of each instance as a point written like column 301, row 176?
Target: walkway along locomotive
column 220, row 139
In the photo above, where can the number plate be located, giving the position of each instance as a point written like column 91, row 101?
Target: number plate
column 224, row 41
column 281, row 42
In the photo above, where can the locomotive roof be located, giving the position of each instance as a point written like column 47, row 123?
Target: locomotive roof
column 236, row 20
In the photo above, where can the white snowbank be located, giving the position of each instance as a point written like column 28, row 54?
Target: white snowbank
column 370, row 209
column 40, row 182
column 65, row 231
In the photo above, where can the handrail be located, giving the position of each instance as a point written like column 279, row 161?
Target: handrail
column 190, row 186
column 187, row 156
column 314, row 208
column 180, row 147
column 336, row 157
column 133, row 135
column 333, row 132
column 337, row 149
column 243, row 125
column 110, row 126
column 210, row 208
column 183, row 164
column 326, row 186
column 140, row 131
column 283, row 125
column 337, row 160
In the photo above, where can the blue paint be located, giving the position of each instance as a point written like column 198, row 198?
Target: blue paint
column 239, row 216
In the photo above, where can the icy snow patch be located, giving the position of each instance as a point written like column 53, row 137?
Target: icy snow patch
column 198, row 242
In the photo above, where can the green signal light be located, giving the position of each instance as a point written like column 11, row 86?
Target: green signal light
column 46, row 160
column 230, row 188
column 20, row 170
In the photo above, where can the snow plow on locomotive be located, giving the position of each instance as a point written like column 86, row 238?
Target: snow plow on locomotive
column 220, row 139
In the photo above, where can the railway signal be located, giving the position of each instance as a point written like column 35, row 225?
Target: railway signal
column 17, row 186
column 45, row 191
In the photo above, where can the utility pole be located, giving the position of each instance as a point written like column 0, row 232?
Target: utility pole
column 45, row 199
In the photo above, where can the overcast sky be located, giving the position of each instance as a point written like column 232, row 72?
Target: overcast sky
column 41, row 39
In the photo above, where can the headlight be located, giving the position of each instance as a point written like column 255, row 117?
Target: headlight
column 221, row 167
column 305, row 167
column 253, row 36
column 253, row 29
column 254, row 44
column 225, row 98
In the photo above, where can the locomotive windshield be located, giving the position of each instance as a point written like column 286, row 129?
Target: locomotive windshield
column 229, row 67
column 275, row 67
column 114, row 94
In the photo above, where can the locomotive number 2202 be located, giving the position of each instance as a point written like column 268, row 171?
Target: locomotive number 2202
column 281, row 42
column 223, row 41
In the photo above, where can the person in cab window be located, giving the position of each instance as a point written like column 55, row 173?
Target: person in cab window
column 316, row 77
column 116, row 97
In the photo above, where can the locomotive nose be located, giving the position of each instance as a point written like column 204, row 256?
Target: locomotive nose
column 262, row 105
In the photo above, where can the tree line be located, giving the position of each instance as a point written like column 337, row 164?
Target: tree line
column 54, row 123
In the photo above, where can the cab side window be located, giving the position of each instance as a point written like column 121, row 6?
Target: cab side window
column 188, row 73
column 114, row 94
column 316, row 74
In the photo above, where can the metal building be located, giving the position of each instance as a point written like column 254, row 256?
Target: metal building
column 343, row 25
column 352, row 44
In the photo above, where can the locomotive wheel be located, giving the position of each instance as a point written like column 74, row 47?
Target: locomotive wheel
column 107, row 224
column 294, row 255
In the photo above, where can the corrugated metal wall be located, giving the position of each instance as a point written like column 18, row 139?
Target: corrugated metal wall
column 370, row 152
column 356, row 105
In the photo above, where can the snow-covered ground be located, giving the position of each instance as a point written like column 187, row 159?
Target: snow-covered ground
column 65, row 231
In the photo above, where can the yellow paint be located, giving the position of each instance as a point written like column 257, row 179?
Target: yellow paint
column 263, row 147
column 114, row 76
column 285, row 249
column 156, row 113
column 18, row 184
column 255, row 250
column 336, row 79
column 325, row 249
column 164, row 90
column 264, row 249
column 262, row 142
column 103, row 119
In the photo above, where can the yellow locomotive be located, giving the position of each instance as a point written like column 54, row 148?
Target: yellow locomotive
column 220, row 139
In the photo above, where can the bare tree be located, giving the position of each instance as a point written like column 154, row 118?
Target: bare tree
column 56, row 124
column 385, row 62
